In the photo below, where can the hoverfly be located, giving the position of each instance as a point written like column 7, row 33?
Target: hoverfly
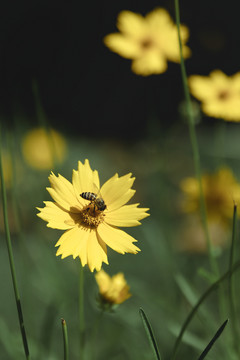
column 94, row 199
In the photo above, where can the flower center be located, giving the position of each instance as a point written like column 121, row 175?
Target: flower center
column 147, row 43
column 91, row 216
column 224, row 95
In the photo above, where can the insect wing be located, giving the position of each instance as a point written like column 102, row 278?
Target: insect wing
column 99, row 199
column 96, row 191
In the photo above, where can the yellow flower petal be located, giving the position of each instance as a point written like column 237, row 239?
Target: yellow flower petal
column 130, row 23
column 103, row 281
column 74, row 242
column 122, row 45
column 128, row 215
column 62, row 192
column 84, row 243
column 171, row 47
column 84, row 179
column 117, row 239
column 201, row 87
column 117, row 191
column 96, row 252
column 159, row 19
column 150, row 63
column 236, row 81
column 230, row 110
column 56, row 217
column 71, row 240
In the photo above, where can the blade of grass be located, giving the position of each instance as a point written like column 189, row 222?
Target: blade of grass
column 65, row 339
column 195, row 149
column 235, row 333
column 150, row 335
column 11, row 259
column 213, row 287
column 211, row 343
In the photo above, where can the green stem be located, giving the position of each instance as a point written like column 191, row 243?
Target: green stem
column 150, row 334
column 195, row 149
column 43, row 122
column 200, row 301
column 81, row 312
column 11, row 259
column 233, row 318
column 65, row 339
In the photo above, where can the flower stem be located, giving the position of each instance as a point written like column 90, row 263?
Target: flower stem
column 195, row 149
column 65, row 339
column 235, row 333
column 11, row 259
column 81, row 312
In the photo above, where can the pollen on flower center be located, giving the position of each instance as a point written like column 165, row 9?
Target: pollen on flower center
column 91, row 216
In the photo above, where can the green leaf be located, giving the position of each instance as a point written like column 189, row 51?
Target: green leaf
column 211, row 343
column 150, row 335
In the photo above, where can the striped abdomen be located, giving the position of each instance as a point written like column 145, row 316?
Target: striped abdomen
column 88, row 196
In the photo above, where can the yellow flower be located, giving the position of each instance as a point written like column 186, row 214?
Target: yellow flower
column 42, row 150
column 219, row 94
column 7, row 169
column 89, row 229
column 113, row 290
column 149, row 41
column 220, row 190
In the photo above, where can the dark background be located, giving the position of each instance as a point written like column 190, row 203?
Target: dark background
column 84, row 87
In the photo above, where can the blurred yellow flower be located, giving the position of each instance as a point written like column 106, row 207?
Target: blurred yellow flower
column 42, row 150
column 220, row 189
column 7, row 169
column 192, row 239
column 219, row 94
column 113, row 290
column 90, row 227
column 149, row 41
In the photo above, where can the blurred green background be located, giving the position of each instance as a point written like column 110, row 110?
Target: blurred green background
column 122, row 123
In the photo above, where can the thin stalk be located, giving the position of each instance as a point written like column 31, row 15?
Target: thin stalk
column 81, row 312
column 13, row 186
column 200, row 301
column 235, row 333
column 195, row 149
column 212, row 342
column 43, row 122
column 65, row 339
column 11, row 260
column 150, row 335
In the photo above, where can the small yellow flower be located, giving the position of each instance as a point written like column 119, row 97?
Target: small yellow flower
column 149, row 41
column 113, row 290
column 219, row 94
column 90, row 230
column 220, row 189
column 42, row 150
column 7, row 169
